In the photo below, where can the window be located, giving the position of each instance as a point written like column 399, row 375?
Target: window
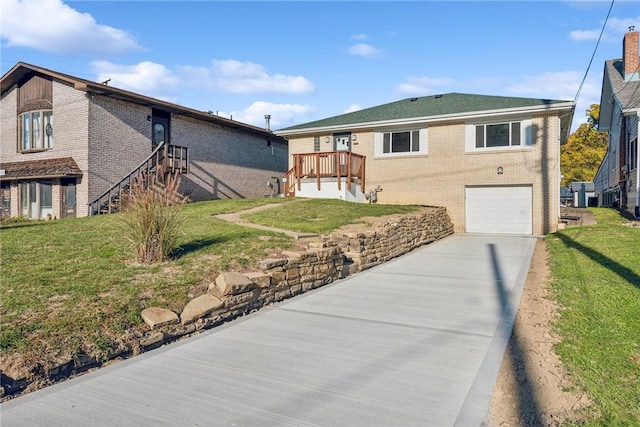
column 633, row 154
column 487, row 136
column 316, row 143
column 498, row 135
column 399, row 143
column 36, row 130
column 36, row 199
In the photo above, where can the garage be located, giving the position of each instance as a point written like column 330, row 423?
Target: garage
column 499, row 209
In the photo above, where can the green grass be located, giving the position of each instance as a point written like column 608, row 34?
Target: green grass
column 596, row 280
column 70, row 285
column 322, row 216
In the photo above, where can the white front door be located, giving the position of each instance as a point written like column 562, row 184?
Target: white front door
column 342, row 142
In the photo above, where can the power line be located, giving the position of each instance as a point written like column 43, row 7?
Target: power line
column 594, row 53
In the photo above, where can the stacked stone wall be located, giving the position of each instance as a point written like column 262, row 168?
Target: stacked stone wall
column 326, row 260
column 234, row 294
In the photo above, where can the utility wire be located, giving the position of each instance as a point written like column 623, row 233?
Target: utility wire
column 594, row 53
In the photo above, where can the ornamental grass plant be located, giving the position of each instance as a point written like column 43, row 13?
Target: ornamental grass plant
column 152, row 217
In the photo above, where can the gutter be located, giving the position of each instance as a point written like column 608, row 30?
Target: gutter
column 637, row 207
column 431, row 119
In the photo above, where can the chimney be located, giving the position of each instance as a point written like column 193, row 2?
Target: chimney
column 267, row 117
column 630, row 59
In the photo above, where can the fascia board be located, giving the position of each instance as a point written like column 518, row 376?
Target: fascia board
column 565, row 106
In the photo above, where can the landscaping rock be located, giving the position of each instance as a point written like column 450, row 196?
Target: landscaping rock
column 157, row 317
column 261, row 279
column 155, row 340
column 199, row 307
column 232, row 283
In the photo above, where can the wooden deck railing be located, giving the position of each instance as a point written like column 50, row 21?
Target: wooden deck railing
column 318, row 165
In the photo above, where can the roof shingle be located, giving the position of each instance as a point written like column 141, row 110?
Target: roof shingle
column 48, row 168
column 428, row 106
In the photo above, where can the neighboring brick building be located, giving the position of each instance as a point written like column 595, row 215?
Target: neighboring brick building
column 65, row 141
column 493, row 162
column 617, row 182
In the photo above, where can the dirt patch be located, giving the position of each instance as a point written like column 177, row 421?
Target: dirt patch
column 533, row 386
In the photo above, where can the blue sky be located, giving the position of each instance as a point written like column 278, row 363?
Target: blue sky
column 302, row 61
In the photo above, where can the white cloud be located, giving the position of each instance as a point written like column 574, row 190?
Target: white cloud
column 359, row 37
column 423, row 85
column 282, row 115
column 614, row 31
column 562, row 85
column 52, row 26
column 234, row 76
column 351, row 108
column 621, row 25
column 582, row 35
column 558, row 85
column 363, row 49
column 146, row 77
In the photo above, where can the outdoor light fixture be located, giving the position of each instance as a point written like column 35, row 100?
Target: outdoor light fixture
column 354, row 137
column 327, row 139
column 500, row 170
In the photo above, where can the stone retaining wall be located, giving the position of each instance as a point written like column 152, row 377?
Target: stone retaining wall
column 326, row 260
column 233, row 294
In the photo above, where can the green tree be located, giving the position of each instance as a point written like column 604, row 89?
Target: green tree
column 583, row 152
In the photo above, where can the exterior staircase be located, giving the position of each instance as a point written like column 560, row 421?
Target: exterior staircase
column 165, row 160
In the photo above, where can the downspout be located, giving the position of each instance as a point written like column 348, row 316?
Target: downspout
column 559, row 165
column 560, row 137
column 637, row 207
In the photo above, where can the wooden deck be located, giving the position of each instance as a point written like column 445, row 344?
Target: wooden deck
column 319, row 165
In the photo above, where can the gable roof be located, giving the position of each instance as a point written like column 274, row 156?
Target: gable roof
column 430, row 108
column 22, row 70
column 615, row 90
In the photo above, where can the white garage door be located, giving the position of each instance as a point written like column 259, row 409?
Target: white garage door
column 499, row 210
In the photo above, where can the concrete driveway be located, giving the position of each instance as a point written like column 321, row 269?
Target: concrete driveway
column 417, row 341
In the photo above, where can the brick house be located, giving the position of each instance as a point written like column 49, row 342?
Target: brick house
column 617, row 182
column 493, row 162
column 68, row 144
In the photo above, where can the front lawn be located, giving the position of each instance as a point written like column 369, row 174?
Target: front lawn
column 70, row 286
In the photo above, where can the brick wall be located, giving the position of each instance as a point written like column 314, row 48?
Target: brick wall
column 70, row 136
column 439, row 177
column 8, row 125
column 226, row 163
column 119, row 140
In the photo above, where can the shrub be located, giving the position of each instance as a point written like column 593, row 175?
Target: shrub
column 152, row 217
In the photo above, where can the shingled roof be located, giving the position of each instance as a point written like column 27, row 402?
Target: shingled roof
column 429, row 107
column 48, row 168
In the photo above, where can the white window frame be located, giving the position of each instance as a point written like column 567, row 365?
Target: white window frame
column 35, row 199
column 379, row 138
column 34, row 136
column 525, row 136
